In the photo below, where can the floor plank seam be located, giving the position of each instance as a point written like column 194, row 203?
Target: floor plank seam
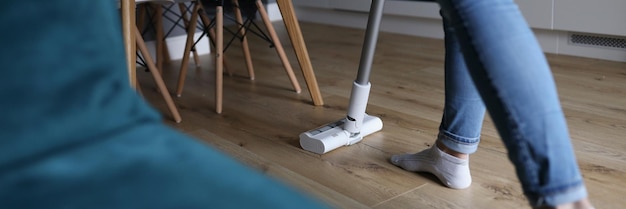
column 399, row 195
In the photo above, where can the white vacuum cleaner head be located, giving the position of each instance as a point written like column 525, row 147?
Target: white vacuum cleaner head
column 332, row 136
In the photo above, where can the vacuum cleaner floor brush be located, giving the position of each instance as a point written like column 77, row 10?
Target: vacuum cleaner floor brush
column 332, row 136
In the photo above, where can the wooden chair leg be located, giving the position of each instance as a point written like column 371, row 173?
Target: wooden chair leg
column 224, row 62
column 206, row 21
column 278, row 46
column 159, row 36
column 185, row 62
column 219, row 64
column 244, row 39
column 141, row 45
column 183, row 12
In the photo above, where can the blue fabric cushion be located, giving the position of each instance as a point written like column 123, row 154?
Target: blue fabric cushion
column 74, row 135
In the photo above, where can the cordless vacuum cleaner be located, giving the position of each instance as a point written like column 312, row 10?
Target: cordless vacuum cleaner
column 357, row 124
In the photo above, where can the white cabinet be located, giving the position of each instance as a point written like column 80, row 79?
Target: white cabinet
column 538, row 12
column 591, row 16
column 400, row 8
column 413, row 9
column 555, row 22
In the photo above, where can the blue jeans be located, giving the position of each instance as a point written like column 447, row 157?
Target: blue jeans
column 493, row 57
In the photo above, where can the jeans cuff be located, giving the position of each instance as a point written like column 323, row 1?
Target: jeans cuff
column 458, row 143
column 566, row 196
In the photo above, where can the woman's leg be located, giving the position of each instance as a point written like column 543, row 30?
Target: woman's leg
column 515, row 82
column 464, row 109
column 460, row 126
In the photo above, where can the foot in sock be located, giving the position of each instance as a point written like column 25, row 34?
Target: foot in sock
column 452, row 171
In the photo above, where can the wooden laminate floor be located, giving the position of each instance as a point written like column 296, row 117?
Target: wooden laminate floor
column 262, row 119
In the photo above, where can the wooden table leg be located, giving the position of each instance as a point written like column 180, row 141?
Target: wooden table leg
column 183, row 13
column 295, row 34
column 244, row 40
column 182, row 74
column 128, row 29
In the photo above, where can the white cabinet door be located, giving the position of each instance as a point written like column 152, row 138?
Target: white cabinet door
column 351, row 5
column 311, row 3
column 400, row 8
column 413, row 9
column 538, row 13
column 591, row 16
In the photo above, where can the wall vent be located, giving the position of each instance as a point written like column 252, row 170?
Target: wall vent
column 613, row 42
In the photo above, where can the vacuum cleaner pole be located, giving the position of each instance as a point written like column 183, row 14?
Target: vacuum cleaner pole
column 357, row 123
column 369, row 45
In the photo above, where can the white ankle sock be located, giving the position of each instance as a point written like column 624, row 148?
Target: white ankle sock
column 452, row 171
